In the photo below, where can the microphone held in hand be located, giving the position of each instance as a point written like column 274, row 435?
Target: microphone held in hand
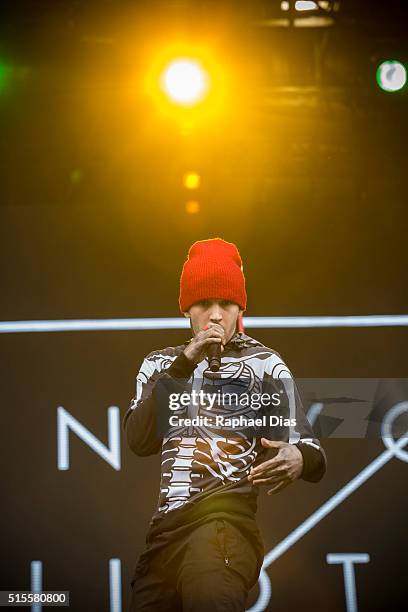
column 214, row 357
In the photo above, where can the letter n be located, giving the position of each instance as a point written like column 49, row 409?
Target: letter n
column 110, row 453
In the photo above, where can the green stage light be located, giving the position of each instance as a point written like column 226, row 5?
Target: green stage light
column 3, row 72
column 391, row 75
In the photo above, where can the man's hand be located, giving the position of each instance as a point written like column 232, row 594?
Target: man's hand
column 196, row 350
column 280, row 471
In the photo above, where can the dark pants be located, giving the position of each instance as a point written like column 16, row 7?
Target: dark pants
column 209, row 570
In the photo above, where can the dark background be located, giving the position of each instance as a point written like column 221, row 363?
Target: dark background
column 305, row 171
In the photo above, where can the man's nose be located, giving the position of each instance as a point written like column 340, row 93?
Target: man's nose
column 215, row 314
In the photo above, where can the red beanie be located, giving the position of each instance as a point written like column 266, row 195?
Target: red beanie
column 213, row 270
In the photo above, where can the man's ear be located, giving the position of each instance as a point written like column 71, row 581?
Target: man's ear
column 240, row 313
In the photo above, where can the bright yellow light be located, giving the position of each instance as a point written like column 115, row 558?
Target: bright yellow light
column 185, row 81
column 191, row 180
column 192, row 207
column 190, row 83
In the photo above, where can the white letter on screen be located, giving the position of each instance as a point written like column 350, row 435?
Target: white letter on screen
column 110, row 453
column 348, row 560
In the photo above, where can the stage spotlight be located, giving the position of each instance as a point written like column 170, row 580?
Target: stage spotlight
column 192, row 207
column 185, row 81
column 391, row 76
column 191, row 180
column 305, row 5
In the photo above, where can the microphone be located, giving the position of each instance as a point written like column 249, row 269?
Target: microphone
column 214, row 357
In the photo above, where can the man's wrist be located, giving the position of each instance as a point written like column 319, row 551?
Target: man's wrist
column 313, row 462
column 188, row 355
column 182, row 367
column 301, row 466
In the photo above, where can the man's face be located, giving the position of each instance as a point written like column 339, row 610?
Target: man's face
column 209, row 311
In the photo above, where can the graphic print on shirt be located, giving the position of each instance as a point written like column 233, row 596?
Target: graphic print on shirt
column 197, row 459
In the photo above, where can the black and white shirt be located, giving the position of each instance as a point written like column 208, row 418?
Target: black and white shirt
column 205, row 469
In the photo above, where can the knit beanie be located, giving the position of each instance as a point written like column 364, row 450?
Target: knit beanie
column 213, row 270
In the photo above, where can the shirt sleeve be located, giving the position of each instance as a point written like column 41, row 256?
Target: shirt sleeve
column 301, row 434
column 140, row 422
column 314, row 457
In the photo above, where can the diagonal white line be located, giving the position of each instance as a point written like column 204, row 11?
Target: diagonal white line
column 328, row 506
column 318, row 515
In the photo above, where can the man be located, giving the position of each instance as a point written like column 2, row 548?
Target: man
column 204, row 551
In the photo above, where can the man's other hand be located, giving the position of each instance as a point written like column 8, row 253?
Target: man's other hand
column 281, row 470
